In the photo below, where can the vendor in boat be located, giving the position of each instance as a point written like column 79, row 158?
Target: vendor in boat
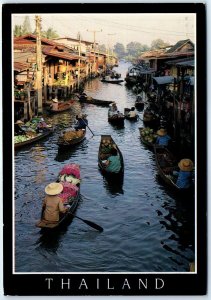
column 41, row 126
column 113, row 164
column 17, row 128
column 52, row 204
column 55, row 104
column 163, row 138
column 113, row 110
column 185, row 175
column 132, row 113
column 81, row 122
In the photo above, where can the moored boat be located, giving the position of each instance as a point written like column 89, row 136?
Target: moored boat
column 90, row 100
column 71, row 138
column 70, row 196
column 114, row 81
column 117, row 119
column 106, row 144
column 28, row 140
column 147, row 136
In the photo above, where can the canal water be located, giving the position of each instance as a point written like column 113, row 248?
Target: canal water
column 147, row 228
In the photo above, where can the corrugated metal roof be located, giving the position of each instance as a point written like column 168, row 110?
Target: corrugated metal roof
column 164, row 79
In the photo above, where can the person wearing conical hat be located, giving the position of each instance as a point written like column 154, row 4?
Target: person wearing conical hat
column 17, row 128
column 163, row 138
column 81, row 122
column 55, row 104
column 185, row 175
column 52, row 203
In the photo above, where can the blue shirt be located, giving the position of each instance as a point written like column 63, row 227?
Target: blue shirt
column 114, row 164
column 163, row 140
column 81, row 124
column 184, row 179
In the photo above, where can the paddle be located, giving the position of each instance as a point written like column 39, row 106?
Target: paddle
column 92, row 224
column 87, row 126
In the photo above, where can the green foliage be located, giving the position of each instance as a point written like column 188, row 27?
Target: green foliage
column 158, row 44
column 17, row 31
column 26, row 28
column 119, row 49
column 50, row 33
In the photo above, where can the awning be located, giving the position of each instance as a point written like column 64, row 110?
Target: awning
column 164, row 79
column 189, row 63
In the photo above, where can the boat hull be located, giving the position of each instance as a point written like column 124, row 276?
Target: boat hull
column 33, row 140
column 102, row 156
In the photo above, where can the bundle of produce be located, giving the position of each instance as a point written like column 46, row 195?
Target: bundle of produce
column 69, row 190
column 31, row 134
column 148, row 134
column 70, row 135
column 71, row 169
column 20, row 138
column 106, row 146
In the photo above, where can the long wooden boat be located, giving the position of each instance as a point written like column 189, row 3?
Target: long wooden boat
column 62, row 107
column 126, row 114
column 34, row 139
column 139, row 104
column 94, row 101
column 103, row 156
column 66, row 144
column 166, row 164
column 114, row 81
column 143, row 139
column 64, row 217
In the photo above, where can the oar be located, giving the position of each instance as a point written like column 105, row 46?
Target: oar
column 92, row 224
column 87, row 126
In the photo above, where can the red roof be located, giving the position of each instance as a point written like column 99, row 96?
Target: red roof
column 19, row 67
column 63, row 55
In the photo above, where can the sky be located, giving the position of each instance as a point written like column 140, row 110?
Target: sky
column 121, row 28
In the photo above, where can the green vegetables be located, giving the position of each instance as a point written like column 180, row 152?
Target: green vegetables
column 148, row 134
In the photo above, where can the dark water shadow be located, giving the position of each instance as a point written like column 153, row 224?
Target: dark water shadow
column 64, row 154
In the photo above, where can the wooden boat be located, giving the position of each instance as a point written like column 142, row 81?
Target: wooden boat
column 64, row 217
column 139, row 103
column 39, row 136
column 166, row 164
column 61, row 108
column 90, row 100
column 117, row 119
column 62, row 143
column 114, row 81
column 144, row 141
column 126, row 114
column 103, row 156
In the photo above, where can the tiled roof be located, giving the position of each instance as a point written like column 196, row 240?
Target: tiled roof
column 64, row 55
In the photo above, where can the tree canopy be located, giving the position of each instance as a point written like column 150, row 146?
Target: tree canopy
column 26, row 27
column 158, row 44
column 50, row 33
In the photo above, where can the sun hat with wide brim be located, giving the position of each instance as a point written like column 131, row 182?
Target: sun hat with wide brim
column 162, row 132
column 185, row 164
column 19, row 122
column 53, row 188
column 55, row 100
column 84, row 116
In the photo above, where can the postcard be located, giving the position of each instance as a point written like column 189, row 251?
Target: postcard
column 104, row 169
